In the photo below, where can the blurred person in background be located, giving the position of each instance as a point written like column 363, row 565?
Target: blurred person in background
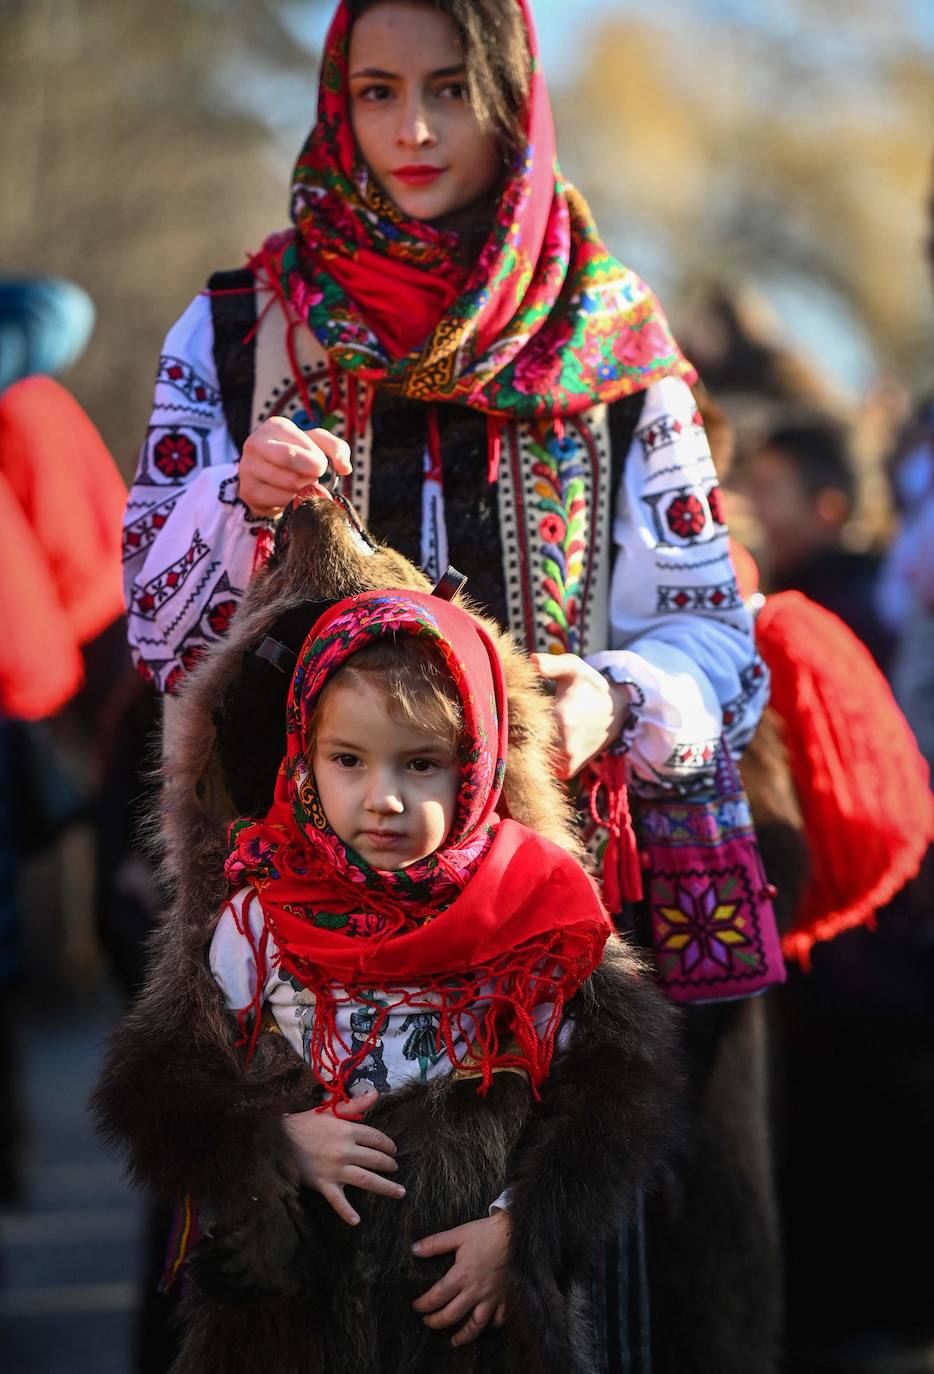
column 61, row 504
column 906, row 592
column 801, row 485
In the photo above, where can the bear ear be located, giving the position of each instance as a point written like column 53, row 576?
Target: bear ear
column 250, row 722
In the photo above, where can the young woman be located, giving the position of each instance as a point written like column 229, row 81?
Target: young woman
column 447, row 328
column 444, row 329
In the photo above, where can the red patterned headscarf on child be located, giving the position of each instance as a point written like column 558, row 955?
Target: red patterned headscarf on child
column 545, row 323
column 497, row 914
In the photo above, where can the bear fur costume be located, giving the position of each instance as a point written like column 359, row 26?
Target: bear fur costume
column 283, row 1284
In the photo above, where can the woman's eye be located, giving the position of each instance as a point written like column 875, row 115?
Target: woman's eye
column 454, row 90
column 374, row 93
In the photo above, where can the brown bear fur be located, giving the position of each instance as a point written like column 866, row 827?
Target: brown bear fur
column 191, row 1116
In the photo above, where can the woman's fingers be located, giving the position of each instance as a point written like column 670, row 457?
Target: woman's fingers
column 477, row 1322
column 371, row 1183
column 441, row 1243
column 302, row 463
column 439, row 1294
column 337, row 451
column 499, row 1318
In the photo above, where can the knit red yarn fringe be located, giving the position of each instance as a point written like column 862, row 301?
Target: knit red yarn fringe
column 863, row 785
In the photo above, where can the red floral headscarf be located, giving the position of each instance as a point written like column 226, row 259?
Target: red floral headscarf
column 496, row 914
column 546, row 323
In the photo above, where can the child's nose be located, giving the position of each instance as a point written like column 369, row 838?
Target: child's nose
column 384, row 795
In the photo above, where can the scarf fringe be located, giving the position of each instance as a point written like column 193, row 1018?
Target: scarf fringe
column 490, row 1010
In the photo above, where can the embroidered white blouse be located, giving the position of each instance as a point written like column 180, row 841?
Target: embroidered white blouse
column 408, row 1048
column 678, row 633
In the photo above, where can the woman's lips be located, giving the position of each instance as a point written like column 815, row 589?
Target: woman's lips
column 417, row 174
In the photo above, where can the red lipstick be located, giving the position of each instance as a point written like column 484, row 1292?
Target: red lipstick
column 417, row 174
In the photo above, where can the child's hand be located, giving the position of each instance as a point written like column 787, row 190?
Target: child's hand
column 336, row 1148
column 476, row 1281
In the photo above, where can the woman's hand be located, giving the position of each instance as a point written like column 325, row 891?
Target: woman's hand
column 336, row 1149
column 589, row 710
column 279, row 459
column 476, row 1282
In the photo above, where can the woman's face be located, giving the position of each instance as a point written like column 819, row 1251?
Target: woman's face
column 411, row 118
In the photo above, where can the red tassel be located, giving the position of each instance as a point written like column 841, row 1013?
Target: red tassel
column 494, row 446
column 622, row 866
column 558, row 427
column 265, row 543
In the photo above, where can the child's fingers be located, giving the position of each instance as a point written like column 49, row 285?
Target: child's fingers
column 334, row 1194
column 441, row 1243
column 374, row 1159
column 476, row 1323
column 372, row 1139
column 356, row 1106
column 439, row 1294
column 371, row 1183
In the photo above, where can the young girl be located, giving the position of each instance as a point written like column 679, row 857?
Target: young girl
column 416, row 1187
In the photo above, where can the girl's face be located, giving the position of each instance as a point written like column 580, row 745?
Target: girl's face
column 411, row 118
column 388, row 790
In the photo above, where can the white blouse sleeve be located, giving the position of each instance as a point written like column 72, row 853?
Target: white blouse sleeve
column 188, row 540
column 680, row 636
column 239, row 933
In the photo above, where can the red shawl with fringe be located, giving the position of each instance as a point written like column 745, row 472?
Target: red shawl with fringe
column 497, row 918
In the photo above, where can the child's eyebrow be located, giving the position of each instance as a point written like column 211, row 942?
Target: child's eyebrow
column 336, row 742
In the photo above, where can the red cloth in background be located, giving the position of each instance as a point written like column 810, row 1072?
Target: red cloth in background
column 61, row 512
column 863, row 786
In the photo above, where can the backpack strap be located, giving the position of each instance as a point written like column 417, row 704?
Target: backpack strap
column 233, row 311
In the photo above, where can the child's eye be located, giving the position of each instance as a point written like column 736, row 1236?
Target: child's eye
column 346, row 760
column 423, row 765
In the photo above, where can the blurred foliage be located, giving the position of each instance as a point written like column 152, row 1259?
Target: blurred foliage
column 771, row 144
column 132, row 163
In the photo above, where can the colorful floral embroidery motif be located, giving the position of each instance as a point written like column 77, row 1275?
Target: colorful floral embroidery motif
column 713, row 927
column 702, row 924
column 560, row 511
column 554, row 502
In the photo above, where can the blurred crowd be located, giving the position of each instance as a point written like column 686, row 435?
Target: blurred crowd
column 833, row 498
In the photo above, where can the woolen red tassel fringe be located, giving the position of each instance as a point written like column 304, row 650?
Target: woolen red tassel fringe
column 863, row 785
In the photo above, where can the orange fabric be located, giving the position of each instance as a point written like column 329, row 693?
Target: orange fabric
column 863, row 785
column 61, row 509
column 40, row 663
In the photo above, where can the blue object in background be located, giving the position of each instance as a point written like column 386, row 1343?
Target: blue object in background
column 45, row 323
